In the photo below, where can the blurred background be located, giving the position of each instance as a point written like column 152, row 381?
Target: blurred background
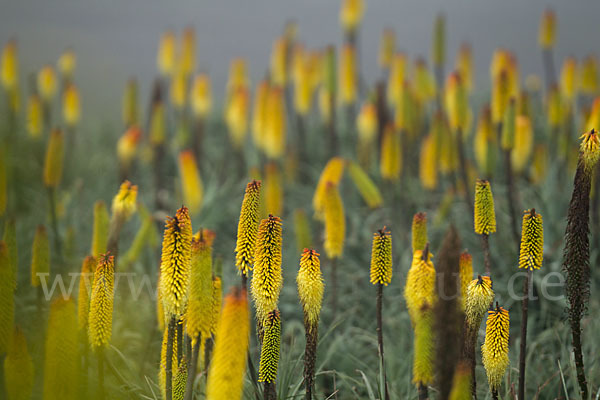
column 118, row 39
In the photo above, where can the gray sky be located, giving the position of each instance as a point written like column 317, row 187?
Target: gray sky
column 116, row 39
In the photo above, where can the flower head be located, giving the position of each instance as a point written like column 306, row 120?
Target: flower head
column 381, row 258
column 485, row 215
column 532, row 241
column 495, row 348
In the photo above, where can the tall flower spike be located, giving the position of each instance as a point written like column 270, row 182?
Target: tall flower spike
column 53, row 165
column 485, row 215
column 175, row 263
column 201, row 96
column 351, row 14
column 10, row 66
column 347, row 75
column 267, row 278
column 61, row 365
column 46, row 82
column 101, row 303
column 269, row 353
column 390, row 163
column 420, row 283
column 83, row 300
column 18, row 368
column 217, row 300
column 547, row 34
column 35, row 118
column 424, row 345
column 71, row 105
column 248, row 228
column 124, row 204
column 226, row 374
column 40, row 255
column 165, row 58
column 494, row 350
column 198, row 317
column 480, row 296
column 310, row 286
column 333, row 172
column 590, row 149
column 419, row 231
column 365, row 185
column 335, row 222
column 381, row 258
column 191, row 182
column 67, row 62
column 532, row 241
column 466, row 275
column 7, row 300
column 275, row 124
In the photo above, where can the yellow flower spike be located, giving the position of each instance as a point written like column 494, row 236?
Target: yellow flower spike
column 198, row 317
column 83, row 300
column 351, row 14
column 67, row 62
column 456, row 102
column 333, row 172
column 588, row 79
column 18, row 368
column 40, row 255
column 275, row 124
column 217, row 297
column 500, row 96
column 191, row 182
column 35, row 116
column 494, row 350
column 302, row 230
column 71, row 105
column 425, row 89
column 236, row 116
column 124, row 204
column 532, row 241
column 160, row 311
column 423, row 345
column 420, row 283
column 419, row 231
column 100, row 229
column 521, row 152
column 299, row 56
column 179, row 380
column 479, row 298
column 387, row 47
column 248, row 228
column 162, row 374
column 273, row 189
column 267, row 278
column 464, row 65
column 304, row 81
column 238, row 75
column 485, row 215
column 178, row 90
column 46, row 83
column 390, row 164
column 365, row 185
column 269, row 353
column 259, row 114
column 590, row 149
column 310, row 286
column 187, row 61
column 325, row 105
column 465, row 270
column 461, row 383
column 9, row 68
column 279, row 62
column 165, row 58
column 348, row 75
column 485, row 143
column 101, row 303
column 568, row 78
column 366, row 123
column 201, row 96
column 547, row 33
column 396, row 79
column 335, row 222
column 157, row 128
column 381, row 258
column 7, row 301
column 130, row 112
column 53, row 165
column 3, row 183
column 228, row 365
column 428, row 174
column 175, row 263
column 554, row 105
column 61, row 365
column 127, row 145
column 438, row 48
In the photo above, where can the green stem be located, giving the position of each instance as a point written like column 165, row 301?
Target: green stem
column 523, row 347
column 169, row 363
